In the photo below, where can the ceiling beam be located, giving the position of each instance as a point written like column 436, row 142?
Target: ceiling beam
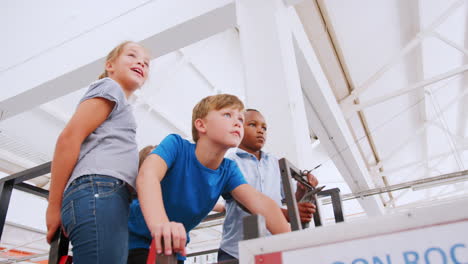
column 172, row 29
column 11, row 163
column 410, row 25
column 458, row 139
column 421, row 129
column 450, row 43
column 410, row 88
column 463, row 106
column 421, row 162
column 162, row 116
column 361, row 120
column 325, row 116
column 55, row 113
column 414, row 42
column 292, row 2
column 197, row 70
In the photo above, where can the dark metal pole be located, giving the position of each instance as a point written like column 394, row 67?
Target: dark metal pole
column 32, row 189
column 58, row 248
column 336, row 203
column 6, row 189
column 29, row 173
column 254, row 225
column 293, row 212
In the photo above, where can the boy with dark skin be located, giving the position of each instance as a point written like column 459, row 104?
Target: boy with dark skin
column 261, row 170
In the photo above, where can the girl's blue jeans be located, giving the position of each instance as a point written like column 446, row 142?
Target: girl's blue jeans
column 94, row 216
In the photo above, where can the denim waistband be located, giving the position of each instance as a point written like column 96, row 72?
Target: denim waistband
column 93, row 177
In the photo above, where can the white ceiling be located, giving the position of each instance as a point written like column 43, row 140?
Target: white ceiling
column 419, row 125
column 54, row 50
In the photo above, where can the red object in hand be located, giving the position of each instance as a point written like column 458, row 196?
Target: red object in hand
column 152, row 253
column 154, row 258
column 65, row 260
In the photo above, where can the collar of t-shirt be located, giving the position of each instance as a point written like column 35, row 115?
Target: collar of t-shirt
column 242, row 154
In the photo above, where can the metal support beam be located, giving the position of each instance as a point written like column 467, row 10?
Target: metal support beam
column 450, row 139
column 16, row 181
column 55, row 113
column 159, row 113
column 198, row 71
column 286, row 169
column 325, row 116
column 32, row 190
column 253, row 226
column 28, row 174
column 450, row 43
column 58, row 248
column 292, row 2
column 11, row 163
column 411, row 24
column 441, row 179
column 463, row 106
column 27, row 258
column 204, row 252
column 6, row 187
column 421, row 129
column 404, row 143
column 408, row 47
column 418, row 163
column 408, row 89
column 336, row 201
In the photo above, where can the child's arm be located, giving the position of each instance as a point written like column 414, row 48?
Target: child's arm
column 306, row 211
column 258, row 203
column 89, row 115
column 149, row 179
column 219, row 207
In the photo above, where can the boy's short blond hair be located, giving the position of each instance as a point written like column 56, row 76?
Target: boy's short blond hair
column 214, row 102
column 144, row 152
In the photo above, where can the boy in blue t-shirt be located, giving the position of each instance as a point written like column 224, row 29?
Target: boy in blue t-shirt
column 179, row 185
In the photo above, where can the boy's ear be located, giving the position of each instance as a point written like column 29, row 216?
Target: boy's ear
column 200, row 126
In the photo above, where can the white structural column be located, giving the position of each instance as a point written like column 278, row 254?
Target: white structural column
column 463, row 107
column 328, row 122
column 271, row 77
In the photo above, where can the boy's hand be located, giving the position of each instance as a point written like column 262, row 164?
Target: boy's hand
column 306, row 210
column 312, row 181
column 171, row 236
column 301, row 189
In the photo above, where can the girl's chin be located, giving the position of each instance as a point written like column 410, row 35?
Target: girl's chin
column 133, row 86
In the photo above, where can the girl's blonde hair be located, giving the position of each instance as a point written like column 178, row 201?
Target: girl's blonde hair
column 113, row 54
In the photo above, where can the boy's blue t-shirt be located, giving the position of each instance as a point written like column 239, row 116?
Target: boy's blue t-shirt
column 189, row 189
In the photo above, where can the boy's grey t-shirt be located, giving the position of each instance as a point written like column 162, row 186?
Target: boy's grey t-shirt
column 111, row 149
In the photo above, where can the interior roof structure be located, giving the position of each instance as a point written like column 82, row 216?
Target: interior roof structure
column 372, row 92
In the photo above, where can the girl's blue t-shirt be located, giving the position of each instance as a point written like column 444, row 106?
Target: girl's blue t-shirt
column 189, row 189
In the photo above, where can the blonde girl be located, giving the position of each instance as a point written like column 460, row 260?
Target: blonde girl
column 95, row 162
